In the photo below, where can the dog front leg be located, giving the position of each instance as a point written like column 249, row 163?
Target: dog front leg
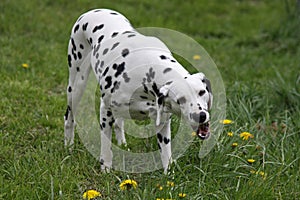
column 106, row 122
column 164, row 141
column 119, row 131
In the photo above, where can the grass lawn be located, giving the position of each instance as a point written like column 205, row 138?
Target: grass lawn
column 255, row 45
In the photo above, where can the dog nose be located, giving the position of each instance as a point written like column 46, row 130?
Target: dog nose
column 202, row 117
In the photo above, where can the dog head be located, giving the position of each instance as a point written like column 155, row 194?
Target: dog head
column 193, row 96
column 200, row 105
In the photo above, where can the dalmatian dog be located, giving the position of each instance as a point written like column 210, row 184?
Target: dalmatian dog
column 139, row 79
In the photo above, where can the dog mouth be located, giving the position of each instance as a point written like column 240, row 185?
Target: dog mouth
column 203, row 131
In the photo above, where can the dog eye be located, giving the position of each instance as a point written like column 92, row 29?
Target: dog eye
column 202, row 92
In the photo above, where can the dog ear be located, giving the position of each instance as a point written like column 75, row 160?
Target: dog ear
column 208, row 88
column 163, row 92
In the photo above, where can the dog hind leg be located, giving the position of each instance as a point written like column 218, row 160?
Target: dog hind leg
column 79, row 69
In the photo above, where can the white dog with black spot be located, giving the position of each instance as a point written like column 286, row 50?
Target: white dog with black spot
column 138, row 77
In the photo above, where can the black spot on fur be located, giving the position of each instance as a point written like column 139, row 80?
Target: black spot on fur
column 91, row 41
column 116, row 86
column 167, row 70
column 81, row 46
column 145, row 88
column 131, row 35
column 202, row 92
column 105, row 51
column 120, row 69
column 77, row 69
column 125, row 52
column 97, row 28
column 105, row 71
column 126, row 78
column 155, row 89
column 111, row 122
column 144, row 97
column 142, row 112
column 84, row 26
column 73, row 44
column 166, row 140
column 159, row 137
column 102, row 64
column 79, row 55
column 113, row 13
column 67, row 112
column 181, row 100
column 103, row 124
column 125, row 32
column 108, row 82
column 96, row 48
column 100, row 39
column 74, row 54
column 160, row 99
column 76, row 28
column 163, row 57
column 96, row 66
column 80, row 18
column 69, row 60
column 115, row 45
column 114, row 34
column 173, row 61
column 69, row 89
column 109, row 113
column 168, row 83
column 150, row 75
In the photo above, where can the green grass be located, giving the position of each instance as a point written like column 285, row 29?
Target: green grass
column 255, row 45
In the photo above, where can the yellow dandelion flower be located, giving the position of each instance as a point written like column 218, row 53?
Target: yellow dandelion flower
column 128, row 184
column 226, row 121
column 194, row 133
column 230, row 134
column 235, row 144
column 250, row 160
column 196, row 57
column 246, row 135
column 25, row 65
column 261, row 173
column 181, row 195
column 170, row 184
column 164, row 199
column 159, row 187
column 91, row 194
